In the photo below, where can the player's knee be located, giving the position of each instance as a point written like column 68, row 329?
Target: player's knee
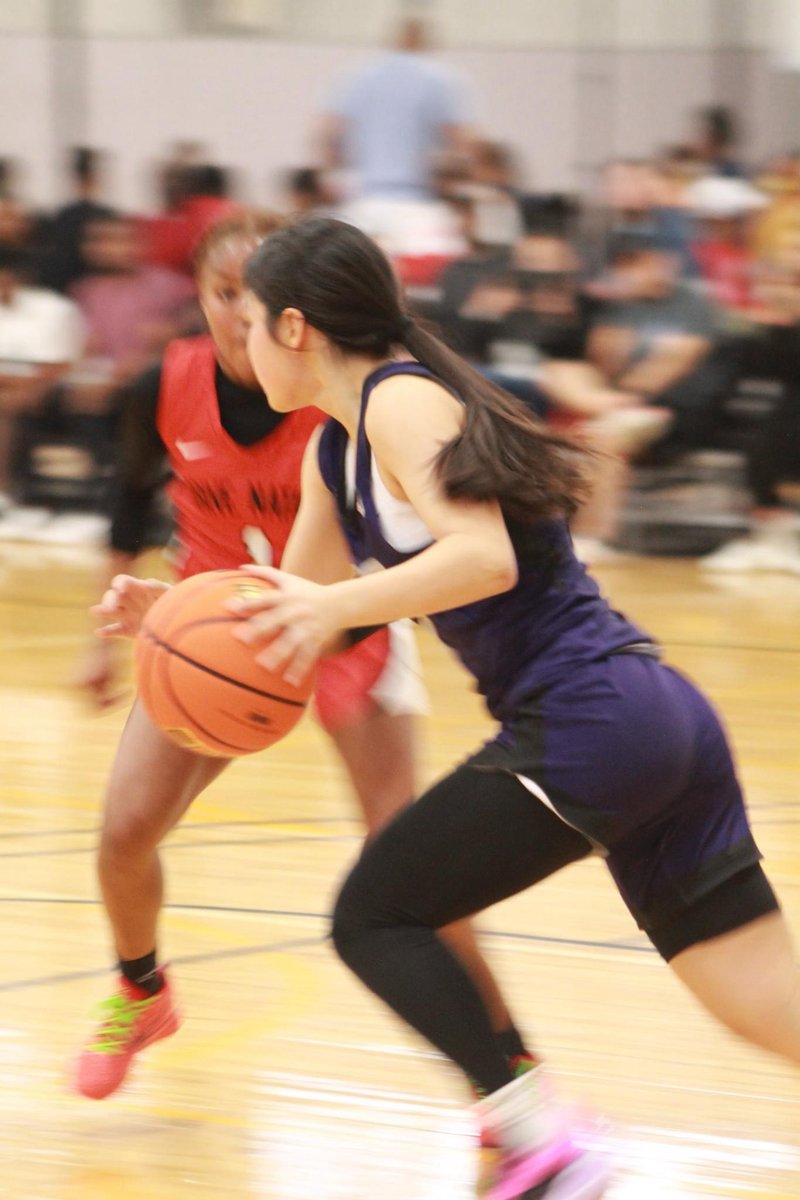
column 769, row 1016
column 348, row 919
column 129, row 833
column 354, row 916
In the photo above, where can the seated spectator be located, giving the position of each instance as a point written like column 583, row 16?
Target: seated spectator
column 209, row 199
column 15, row 226
column 546, row 311
column 164, row 236
column 638, row 198
column 461, row 276
column 657, row 340
column 495, row 193
column 307, row 193
column 41, row 338
column 202, row 195
column 517, row 305
column 780, row 219
column 624, row 204
column 524, row 309
column 619, row 427
column 451, row 176
column 131, row 309
column 675, row 171
column 773, row 454
column 677, row 166
column 64, row 262
column 19, row 226
column 773, row 543
column 778, row 287
column 724, row 209
column 616, row 427
column 714, row 140
column 174, row 172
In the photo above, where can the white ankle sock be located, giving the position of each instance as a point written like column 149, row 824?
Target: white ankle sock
column 521, row 1116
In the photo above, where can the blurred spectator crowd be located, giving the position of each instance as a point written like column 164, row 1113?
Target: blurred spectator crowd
column 657, row 317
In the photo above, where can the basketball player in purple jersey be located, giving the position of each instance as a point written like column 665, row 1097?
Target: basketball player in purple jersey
column 463, row 496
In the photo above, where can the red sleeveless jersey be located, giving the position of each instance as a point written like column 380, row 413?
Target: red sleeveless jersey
column 237, row 503
column 233, row 503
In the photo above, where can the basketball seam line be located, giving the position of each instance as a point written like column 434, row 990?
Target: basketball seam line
column 219, row 675
column 162, row 665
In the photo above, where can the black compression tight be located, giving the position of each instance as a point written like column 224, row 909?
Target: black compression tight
column 474, row 839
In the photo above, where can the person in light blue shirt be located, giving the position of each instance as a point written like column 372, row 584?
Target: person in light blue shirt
column 389, row 120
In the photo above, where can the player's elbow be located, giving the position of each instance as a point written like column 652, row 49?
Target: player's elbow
column 499, row 569
column 508, row 575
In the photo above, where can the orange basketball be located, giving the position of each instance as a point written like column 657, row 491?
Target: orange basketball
column 202, row 686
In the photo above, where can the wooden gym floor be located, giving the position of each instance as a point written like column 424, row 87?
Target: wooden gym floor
column 287, row 1081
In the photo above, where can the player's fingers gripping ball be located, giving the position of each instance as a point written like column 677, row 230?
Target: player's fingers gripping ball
column 202, row 686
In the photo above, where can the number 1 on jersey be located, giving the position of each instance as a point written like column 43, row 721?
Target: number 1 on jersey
column 257, row 545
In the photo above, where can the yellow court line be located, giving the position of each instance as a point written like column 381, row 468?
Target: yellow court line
column 301, row 989
column 43, row 639
column 262, row 829
column 38, row 1097
column 743, row 1191
column 208, row 924
column 65, row 804
column 201, row 1116
column 213, row 924
column 195, row 823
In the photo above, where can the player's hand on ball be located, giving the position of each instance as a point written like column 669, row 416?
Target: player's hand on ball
column 293, row 622
column 126, row 603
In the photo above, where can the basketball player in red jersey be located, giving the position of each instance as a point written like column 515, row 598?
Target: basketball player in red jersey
column 235, row 490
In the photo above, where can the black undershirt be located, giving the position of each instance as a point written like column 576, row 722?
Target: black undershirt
column 141, row 455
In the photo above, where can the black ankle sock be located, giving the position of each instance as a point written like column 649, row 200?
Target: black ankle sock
column 143, row 972
column 511, row 1043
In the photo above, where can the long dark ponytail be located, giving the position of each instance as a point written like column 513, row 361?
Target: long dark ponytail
column 345, row 287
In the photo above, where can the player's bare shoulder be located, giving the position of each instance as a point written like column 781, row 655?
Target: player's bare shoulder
column 409, row 407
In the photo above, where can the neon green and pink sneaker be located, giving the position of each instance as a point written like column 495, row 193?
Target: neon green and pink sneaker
column 546, row 1150
column 130, row 1020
